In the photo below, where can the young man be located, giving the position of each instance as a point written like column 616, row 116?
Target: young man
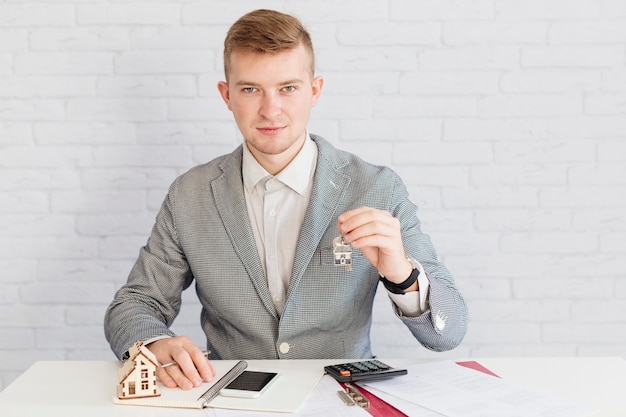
column 257, row 230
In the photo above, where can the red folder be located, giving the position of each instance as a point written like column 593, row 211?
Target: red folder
column 477, row 367
column 378, row 407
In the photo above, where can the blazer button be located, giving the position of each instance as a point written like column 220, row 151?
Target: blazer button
column 284, row 347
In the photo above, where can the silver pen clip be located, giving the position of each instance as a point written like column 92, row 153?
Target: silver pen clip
column 204, row 352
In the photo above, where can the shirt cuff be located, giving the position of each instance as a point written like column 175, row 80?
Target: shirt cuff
column 154, row 339
column 126, row 355
column 414, row 303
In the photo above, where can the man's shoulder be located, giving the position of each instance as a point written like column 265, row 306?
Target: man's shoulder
column 348, row 162
column 203, row 174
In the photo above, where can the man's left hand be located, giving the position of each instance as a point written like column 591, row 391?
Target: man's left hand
column 376, row 233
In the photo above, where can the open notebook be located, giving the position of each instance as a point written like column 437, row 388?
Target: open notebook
column 286, row 394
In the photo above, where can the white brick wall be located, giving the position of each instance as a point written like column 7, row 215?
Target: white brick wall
column 506, row 119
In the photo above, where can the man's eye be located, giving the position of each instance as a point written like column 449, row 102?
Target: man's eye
column 289, row 89
column 249, row 89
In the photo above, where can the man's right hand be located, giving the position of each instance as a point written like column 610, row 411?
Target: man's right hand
column 192, row 367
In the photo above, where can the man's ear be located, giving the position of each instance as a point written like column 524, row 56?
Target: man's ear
column 222, row 87
column 316, row 85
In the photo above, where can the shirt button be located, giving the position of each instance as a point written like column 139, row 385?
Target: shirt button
column 284, row 347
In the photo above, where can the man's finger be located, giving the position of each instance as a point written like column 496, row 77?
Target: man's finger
column 179, row 378
column 203, row 365
column 165, row 378
column 185, row 372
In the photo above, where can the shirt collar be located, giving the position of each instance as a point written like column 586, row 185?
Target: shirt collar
column 296, row 175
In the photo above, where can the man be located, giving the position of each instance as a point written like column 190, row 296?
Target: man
column 257, row 230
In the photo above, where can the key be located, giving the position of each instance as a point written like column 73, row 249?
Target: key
column 342, row 252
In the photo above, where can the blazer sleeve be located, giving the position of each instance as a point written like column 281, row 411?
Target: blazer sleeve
column 148, row 303
column 444, row 324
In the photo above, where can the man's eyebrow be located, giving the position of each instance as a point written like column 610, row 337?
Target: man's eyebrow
column 294, row 81
column 243, row 82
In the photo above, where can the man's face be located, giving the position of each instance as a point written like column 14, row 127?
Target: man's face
column 271, row 96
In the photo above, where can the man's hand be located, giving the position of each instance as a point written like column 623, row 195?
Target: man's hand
column 376, row 233
column 192, row 367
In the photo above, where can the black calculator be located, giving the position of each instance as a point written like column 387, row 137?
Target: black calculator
column 362, row 371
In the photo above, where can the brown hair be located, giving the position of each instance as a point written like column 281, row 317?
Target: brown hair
column 266, row 31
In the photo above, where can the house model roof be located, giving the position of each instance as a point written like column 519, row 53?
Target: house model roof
column 135, row 350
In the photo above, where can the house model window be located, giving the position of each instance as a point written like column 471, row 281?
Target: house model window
column 137, row 377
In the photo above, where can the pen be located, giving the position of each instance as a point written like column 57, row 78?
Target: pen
column 204, row 352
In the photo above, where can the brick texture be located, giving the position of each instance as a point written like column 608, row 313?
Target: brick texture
column 505, row 118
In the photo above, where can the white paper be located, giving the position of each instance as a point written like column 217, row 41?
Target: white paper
column 407, row 407
column 323, row 401
column 457, row 391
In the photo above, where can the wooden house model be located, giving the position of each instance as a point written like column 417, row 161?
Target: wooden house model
column 137, row 377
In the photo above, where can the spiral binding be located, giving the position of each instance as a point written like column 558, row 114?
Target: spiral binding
column 214, row 391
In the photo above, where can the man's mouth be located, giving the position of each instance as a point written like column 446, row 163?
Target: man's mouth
column 268, row 130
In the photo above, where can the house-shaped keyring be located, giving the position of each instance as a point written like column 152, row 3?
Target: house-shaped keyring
column 137, row 377
column 342, row 253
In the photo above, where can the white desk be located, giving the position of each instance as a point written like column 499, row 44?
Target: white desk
column 78, row 389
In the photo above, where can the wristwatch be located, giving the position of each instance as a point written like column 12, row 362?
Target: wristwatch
column 401, row 287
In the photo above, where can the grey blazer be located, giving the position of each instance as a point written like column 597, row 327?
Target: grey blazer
column 202, row 233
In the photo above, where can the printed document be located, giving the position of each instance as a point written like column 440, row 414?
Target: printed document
column 456, row 391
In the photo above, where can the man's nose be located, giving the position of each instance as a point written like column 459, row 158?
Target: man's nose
column 270, row 106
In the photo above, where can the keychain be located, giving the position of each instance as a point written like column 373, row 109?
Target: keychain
column 342, row 252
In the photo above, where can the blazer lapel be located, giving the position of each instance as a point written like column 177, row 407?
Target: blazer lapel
column 231, row 206
column 329, row 185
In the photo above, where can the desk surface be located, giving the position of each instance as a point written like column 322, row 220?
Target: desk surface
column 83, row 388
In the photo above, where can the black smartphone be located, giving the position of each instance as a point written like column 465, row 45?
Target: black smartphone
column 250, row 384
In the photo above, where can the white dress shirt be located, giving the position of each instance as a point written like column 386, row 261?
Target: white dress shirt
column 276, row 207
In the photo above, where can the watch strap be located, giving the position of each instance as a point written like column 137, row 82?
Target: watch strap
column 401, row 287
